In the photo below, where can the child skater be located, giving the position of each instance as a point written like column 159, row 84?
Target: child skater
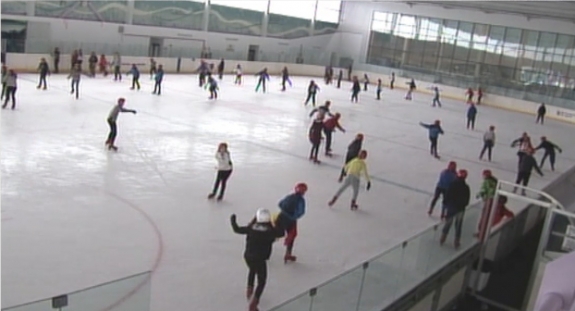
column 260, row 235
column 339, row 77
column 434, row 131
column 355, row 89
column 212, row 85
column 158, row 77
column 285, row 78
column 112, row 119
column 315, row 139
column 365, row 82
column 435, row 97
column 352, row 152
column 311, row 92
column 75, row 74
column 354, row 169
column 238, row 72
column 135, row 76
column 44, row 71
column 224, row 171
column 103, row 65
column 153, row 68
column 262, row 77
column 292, row 208
column 10, row 81
column 412, row 86
column 378, row 91
column 392, row 80
column 469, row 94
column 329, row 127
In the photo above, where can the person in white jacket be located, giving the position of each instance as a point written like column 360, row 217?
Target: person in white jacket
column 224, row 171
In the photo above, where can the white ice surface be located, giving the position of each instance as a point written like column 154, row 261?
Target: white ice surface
column 76, row 215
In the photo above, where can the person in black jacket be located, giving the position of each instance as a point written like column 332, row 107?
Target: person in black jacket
column 526, row 166
column 221, row 67
column 44, row 70
column 356, row 88
column 352, row 152
column 260, row 235
column 549, row 148
column 541, row 114
column 456, row 200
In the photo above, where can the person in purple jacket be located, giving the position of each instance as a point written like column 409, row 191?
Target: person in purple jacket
column 446, row 177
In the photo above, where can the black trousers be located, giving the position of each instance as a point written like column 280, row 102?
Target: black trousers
column 391, row 84
column 433, row 145
column 257, row 268
column 158, row 87
column 438, row 192
column 202, row 79
column 523, row 178
column 339, row 83
column 76, row 87
column 3, row 89
column 284, row 80
column 354, row 96
column 551, row 156
column 378, row 93
column 327, row 133
column 220, row 74
column 365, row 86
column 117, row 73
column 113, row 132
column 479, row 99
column 540, row 118
column 436, row 101
column 42, row 81
column 471, row 122
column 221, row 181
column 487, row 146
column 136, row 82
column 56, row 62
column 10, row 93
column 213, row 92
column 310, row 95
column 314, row 149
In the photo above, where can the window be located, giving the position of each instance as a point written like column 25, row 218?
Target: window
column 429, row 29
column 406, row 26
column 382, row 22
column 254, row 5
column 328, row 11
column 302, row 8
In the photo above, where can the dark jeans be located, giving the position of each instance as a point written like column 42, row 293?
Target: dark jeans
column 378, row 93
column 113, row 132
column 76, row 87
column 365, row 86
column 3, row 89
column 257, row 267
column 10, row 93
column 487, row 146
column 327, row 133
column 339, row 83
column 262, row 83
column 202, row 79
column 284, row 80
column 391, row 84
column 117, row 73
column 453, row 215
column 42, row 81
column 136, row 82
column 310, row 96
column 438, row 192
column 433, row 145
column 523, row 178
column 314, row 149
column 551, row 156
column 540, row 118
column 221, row 180
column 158, row 87
column 354, row 95
column 436, row 101
column 471, row 122
column 56, row 62
column 479, row 99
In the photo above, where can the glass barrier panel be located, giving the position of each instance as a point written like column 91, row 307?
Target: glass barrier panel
column 300, row 303
column 341, row 293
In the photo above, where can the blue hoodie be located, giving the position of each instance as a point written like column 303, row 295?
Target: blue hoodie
column 134, row 72
column 472, row 111
column 434, row 130
column 446, row 178
column 293, row 206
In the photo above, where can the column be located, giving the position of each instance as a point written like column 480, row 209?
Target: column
column 312, row 24
column 130, row 14
column 30, row 8
column 440, row 52
column 206, row 19
column 266, row 20
column 481, row 55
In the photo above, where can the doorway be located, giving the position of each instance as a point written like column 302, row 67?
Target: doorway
column 155, row 48
column 253, row 52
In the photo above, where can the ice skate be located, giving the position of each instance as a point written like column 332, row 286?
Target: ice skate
column 354, row 206
column 112, row 147
column 38, row 87
column 332, row 202
column 211, row 196
column 219, row 198
column 249, row 292
column 254, row 304
column 44, row 88
column 316, row 161
column 289, row 258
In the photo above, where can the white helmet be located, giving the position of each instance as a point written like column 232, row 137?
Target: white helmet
column 263, row 215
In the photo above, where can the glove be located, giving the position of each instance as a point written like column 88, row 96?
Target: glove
column 368, row 185
column 135, row 112
column 233, row 218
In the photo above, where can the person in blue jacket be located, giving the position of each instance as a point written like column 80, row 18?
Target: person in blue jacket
column 263, row 76
column 292, row 208
column 434, row 131
column 135, row 76
column 471, row 113
column 158, row 80
column 446, row 177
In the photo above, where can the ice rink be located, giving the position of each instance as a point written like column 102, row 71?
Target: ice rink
column 75, row 214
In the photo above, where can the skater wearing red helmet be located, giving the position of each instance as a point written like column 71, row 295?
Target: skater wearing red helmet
column 292, row 208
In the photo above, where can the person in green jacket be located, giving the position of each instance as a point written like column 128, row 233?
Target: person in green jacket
column 487, row 192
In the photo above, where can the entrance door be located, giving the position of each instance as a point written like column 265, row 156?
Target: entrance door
column 253, row 52
column 155, row 48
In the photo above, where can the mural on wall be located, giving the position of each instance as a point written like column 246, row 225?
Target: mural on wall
column 101, row 11
column 176, row 14
column 232, row 20
column 281, row 26
column 322, row 28
column 14, row 7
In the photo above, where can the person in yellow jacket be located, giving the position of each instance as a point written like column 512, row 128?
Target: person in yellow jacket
column 353, row 169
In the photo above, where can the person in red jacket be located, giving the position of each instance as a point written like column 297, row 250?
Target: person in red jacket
column 469, row 94
column 501, row 211
column 329, row 127
column 315, row 139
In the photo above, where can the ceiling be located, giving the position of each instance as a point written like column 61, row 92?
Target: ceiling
column 556, row 10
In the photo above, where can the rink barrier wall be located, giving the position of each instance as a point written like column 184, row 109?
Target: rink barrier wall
column 29, row 63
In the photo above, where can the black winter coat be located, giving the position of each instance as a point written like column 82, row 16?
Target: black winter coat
column 457, row 195
column 259, row 239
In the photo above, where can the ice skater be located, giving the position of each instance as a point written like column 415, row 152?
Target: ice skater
column 339, row 77
column 524, row 144
column 260, row 235
column 355, row 89
column 292, row 208
column 378, row 90
column 365, row 82
column 225, row 168
column 456, row 199
column 446, row 177
column 103, row 65
column 541, row 111
column 471, row 114
column 486, row 194
column 392, row 80
column 92, row 63
column 112, row 119
column 329, row 127
column 117, row 63
column 56, row 58
column 469, row 94
column 44, row 71
column 263, row 76
column 135, row 77
column 75, row 75
column 221, row 67
column 436, row 95
column 10, row 81
column 434, row 131
column 202, row 71
column 352, row 152
column 285, row 78
column 153, row 68
column 315, row 139
column 411, row 85
column 354, row 169
column 322, row 111
column 4, row 75
column 549, row 148
column 238, row 72
column 488, row 143
column 312, row 90
column 526, row 166
column 158, row 77
column 212, row 86
column 479, row 96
